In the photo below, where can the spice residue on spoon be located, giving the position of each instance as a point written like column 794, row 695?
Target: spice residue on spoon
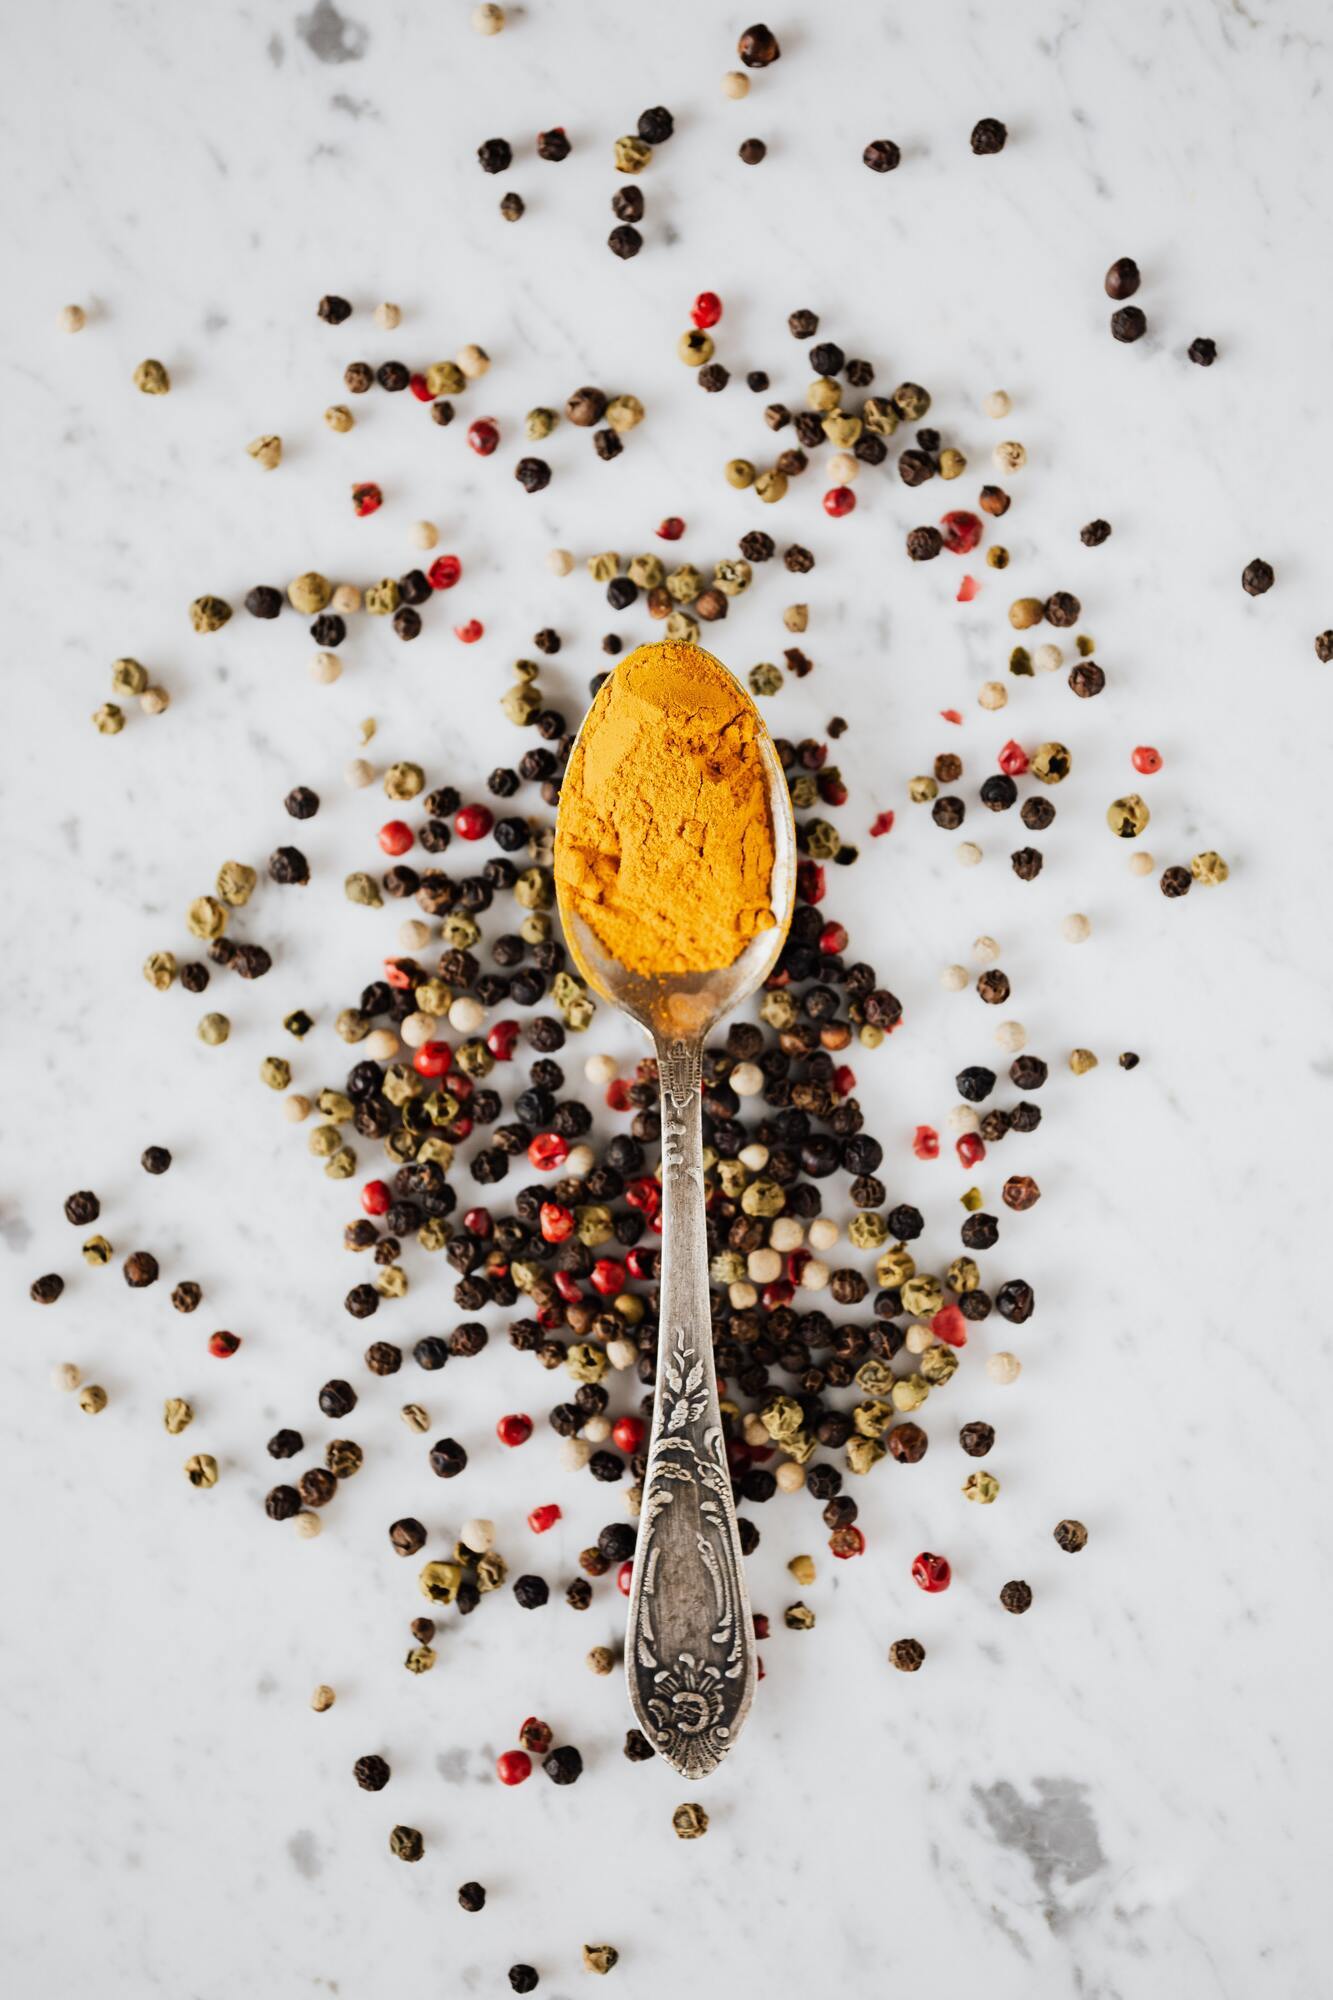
column 665, row 845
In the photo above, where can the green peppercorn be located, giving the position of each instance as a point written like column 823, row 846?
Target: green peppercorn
column 213, row 1029
column 209, row 614
column 152, row 379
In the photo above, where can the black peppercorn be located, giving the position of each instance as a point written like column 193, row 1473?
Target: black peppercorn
column 407, row 622
column 1129, row 323
column 975, row 1083
column 998, row 792
column 980, row 1232
column 317, row 1486
column 553, row 145
column 948, row 812
column 447, row 1458
column 627, row 204
column 523, row 1978
column 1094, row 534
column 281, row 1503
column 337, row 1398
column 495, row 155
column 289, row 866
column 924, row 544
column 656, row 125
column 881, row 156
column 752, row 151
column 758, row 46
column 1027, row 863
column 625, row 240
column 140, row 1269
column 976, row 1439
column 1016, row 1596
column 333, row 310
column 907, row 1443
column 637, row 1747
column 1257, row 577
column 1203, row 351
column 393, row 376
column 1176, row 882
column 82, row 1208
column 407, row 1536
column 301, row 802
column 532, row 474
column 1122, row 280
column 988, row 136
column 607, row 445
column 712, row 377
column 906, row 1655
column 263, row 601
column 285, row 1444
column 186, row 1296
column 1015, row 1300
column 757, row 381
column 564, row 1765
column 1086, row 679
column 472, row 1897
column 915, row 467
column 371, row 1773
column 45, row 1291
column 1062, row 608
column 442, row 411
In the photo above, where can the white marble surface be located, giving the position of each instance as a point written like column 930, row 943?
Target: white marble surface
column 1122, row 1794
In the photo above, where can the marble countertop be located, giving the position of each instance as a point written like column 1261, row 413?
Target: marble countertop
column 1122, row 1794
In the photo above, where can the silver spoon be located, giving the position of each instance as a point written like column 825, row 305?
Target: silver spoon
column 689, row 1648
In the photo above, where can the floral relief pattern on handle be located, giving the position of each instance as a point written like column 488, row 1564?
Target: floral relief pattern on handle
column 690, row 1650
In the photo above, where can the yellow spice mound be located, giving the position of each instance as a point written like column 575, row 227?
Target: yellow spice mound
column 665, row 845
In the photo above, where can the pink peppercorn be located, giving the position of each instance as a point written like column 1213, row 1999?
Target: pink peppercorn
column 514, row 1429
column 1013, row 759
column 223, row 1345
column 375, row 1197
column 931, row 1573
column 706, row 310
column 502, row 1040
column 444, row 572
column 483, row 434
column 396, row 836
column 1146, row 760
column 880, row 824
column 433, row 1059
column 962, row 532
column 469, row 633
column 367, row 499
column 623, row 1578
column 970, row 1149
column 926, row 1143
column 949, row 1326
column 473, row 822
column 547, row 1150
column 542, row 1519
column 513, row 1766
column 839, row 500
column 671, row 529
column 420, row 388
column 629, row 1433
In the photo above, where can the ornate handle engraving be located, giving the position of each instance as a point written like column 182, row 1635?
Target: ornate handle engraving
column 689, row 1653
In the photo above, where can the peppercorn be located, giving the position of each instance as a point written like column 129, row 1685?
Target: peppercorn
column 1323, row 646
column 333, row 310
column 758, row 46
column 1087, row 679
column 1094, row 534
column 1016, row 1596
column 881, row 156
column 1122, row 279
column 140, row 1269
column 406, row 1843
column 1129, row 323
column 186, row 1296
column 472, row 1897
column 563, row 1765
column 287, row 865
column 988, row 136
column 554, row 145
column 1176, row 881
column 907, row 1655
column 1071, row 1536
column 752, row 151
column 924, row 544
column 1063, row 608
column 82, row 1208
column 495, row 155
column 523, row 1978
column 624, row 241
column 600, row 1957
column 512, row 206
column 1257, row 577
column 371, row 1773
column 45, row 1291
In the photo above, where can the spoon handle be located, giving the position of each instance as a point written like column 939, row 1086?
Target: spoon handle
column 689, row 1652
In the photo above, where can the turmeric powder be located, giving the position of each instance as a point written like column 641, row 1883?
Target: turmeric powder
column 665, row 845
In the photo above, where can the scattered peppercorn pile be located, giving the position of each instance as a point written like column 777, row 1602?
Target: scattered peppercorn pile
column 485, row 1149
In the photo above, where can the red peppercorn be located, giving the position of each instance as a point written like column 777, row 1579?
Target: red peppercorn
column 477, row 1221
column 375, row 1197
column 779, row 1293
column 547, row 1150
column 951, row 715
column 513, row 1766
column 536, row 1735
column 881, row 823
column 845, row 1542
column 473, row 822
column 970, row 1149
column 639, row 1264
column 607, row 1277
column 926, row 1144
column 706, row 310
column 949, row 1326
column 568, row 1287
column 645, row 1194
column 469, row 634
column 433, row 1059
column 543, row 1518
column 832, row 939
column 617, row 1095
column 557, row 1221
column 460, row 1129
column 420, row 388
column 623, row 1578
column 396, row 836
column 629, row 1434
column 461, row 1087
column 796, row 1262
column 962, row 532
column 931, row 1573
column 1013, row 759
column 514, row 1430
column 810, row 881
column 502, row 1040
column 223, row 1345
column 397, row 974
column 671, row 529
column 444, row 572
column 844, row 1080
column 1146, row 760
column 483, row 434
column 367, row 499
column 839, row 500
column 966, row 590
column 832, row 790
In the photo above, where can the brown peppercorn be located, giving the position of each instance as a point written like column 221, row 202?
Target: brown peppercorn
column 752, row 151
column 1063, row 608
column 1094, row 534
column 1257, row 577
column 1176, row 882
column 1021, row 1192
column 1071, row 1536
column 587, row 406
column 906, row 1655
column 924, row 544
column 45, row 1291
column 406, row 1843
column 1129, row 323
column 333, row 310
column 1087, row 679
column 1122, row 280
column 758, row 46
column 993, row 987
column 881, row 156
column 186, row 1296
column 908, row 1443
column 82, row 1208
column 976, row 1439
column 140, row 1269
column 1016, row 1596
column 993, row 500
column 1027, row 863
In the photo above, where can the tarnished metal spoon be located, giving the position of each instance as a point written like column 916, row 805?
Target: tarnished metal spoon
column 689, row 1650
